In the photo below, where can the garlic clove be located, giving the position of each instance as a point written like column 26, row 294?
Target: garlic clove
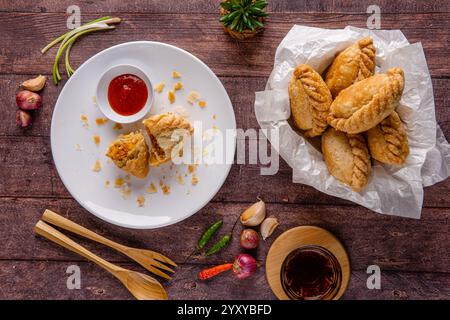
column 268, row 226
column 254, row 215
column 35, row 84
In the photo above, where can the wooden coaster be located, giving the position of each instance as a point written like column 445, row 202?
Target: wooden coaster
column 298, row 237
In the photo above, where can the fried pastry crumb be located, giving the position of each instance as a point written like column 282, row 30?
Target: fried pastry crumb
column 125, row 190
column 214, row 117
column 97, row 166
column 101, row 121
column 96, row 139
column 152, row 188
column 118, row 182
column 176, row 75
column 180, row 179
column 165, row 188
column 94, row 100
column 160, row 87
column 194, row 179
column 171, row 96
column 202, row 103
column 193, row 97
column 177, row 86
column 140, row 200
column 84, row 120
column 117, row 126
column 78, row 147
column 192, row 168
column 107, row 183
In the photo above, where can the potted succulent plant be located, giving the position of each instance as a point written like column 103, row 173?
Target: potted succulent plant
column 243, row 19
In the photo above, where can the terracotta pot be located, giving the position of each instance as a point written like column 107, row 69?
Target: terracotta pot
column 245, row 34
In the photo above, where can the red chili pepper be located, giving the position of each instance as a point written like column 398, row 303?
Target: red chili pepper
column 211, row 272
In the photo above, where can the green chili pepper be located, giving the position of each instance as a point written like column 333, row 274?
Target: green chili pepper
column 207, row 235
column 219, row 245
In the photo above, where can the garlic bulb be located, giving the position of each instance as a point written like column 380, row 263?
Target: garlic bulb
column 268, row 226
column 254, row 215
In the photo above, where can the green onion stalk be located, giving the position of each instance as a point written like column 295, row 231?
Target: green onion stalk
column 67, row 40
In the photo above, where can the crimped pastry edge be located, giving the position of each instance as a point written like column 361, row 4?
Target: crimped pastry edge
column 320, row 97
column 392, row 131
column 365, row 61
column 371, row 114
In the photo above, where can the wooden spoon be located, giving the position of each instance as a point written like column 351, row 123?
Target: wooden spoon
column 141, row 286
column 149, row 259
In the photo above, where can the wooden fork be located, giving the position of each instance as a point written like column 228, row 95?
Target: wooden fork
column 150, row 260
column 141, row 286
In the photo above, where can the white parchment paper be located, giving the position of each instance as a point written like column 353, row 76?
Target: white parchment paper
column 395, row 190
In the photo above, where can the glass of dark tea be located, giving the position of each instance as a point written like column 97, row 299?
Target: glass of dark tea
column 311, row 273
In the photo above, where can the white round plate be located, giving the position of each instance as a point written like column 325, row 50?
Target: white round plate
column 75, row 153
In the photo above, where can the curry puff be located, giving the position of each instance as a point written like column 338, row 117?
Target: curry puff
column 130, row 153
column 310, row 100
column 366, row 103
column 347, row 158
column 388, row 142
column 355, row 63
column 167, row 132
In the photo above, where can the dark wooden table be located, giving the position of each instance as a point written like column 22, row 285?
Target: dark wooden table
column 413, row 255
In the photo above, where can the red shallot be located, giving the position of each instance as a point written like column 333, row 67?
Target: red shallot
column 27, row 100
column 23, row 119
column 249, row 239
column 244, row 266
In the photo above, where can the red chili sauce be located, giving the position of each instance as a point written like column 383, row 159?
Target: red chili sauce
column 127, row 94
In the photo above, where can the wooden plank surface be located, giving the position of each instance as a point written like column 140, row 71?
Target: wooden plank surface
column 49, row 282
column 413, row 254
column 198, row 33
column 393, row 243
column 210, row 6
column 35, row 171
column 242, row 100
column 39, row 175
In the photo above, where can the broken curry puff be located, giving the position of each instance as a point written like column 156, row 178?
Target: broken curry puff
column 130, row 153
column 167, row 132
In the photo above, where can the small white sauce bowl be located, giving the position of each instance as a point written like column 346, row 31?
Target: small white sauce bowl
column 102, row 93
